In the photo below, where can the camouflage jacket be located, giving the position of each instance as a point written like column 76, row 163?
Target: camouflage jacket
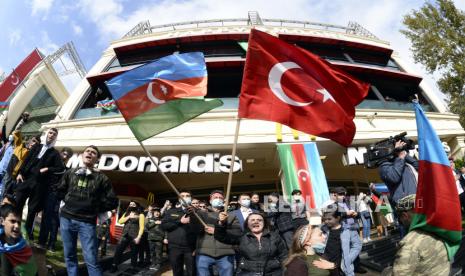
column 421, row 253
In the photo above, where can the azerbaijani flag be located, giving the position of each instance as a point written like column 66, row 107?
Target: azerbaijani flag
column 437, row 206
column 4, row 106
column 107, row 105
column 302, row 170
column 163, row 94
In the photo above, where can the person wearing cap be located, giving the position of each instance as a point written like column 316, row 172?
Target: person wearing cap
column 156, row 237
column 209, row 250
column 420, row 253
column 348, row 215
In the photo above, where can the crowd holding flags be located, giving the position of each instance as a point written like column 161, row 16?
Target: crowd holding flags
column 285, row 84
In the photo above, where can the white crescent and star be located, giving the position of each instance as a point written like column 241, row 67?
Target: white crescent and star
column 152, row 97
column 16, row 80
column 303, row 174
column 274, row 81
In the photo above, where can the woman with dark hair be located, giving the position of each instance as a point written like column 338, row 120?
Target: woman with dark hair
column 307, row 246
column 262, row 252
column 343, row 245
column 133, row 229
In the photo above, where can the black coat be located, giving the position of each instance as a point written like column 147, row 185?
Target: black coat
column 30, row 170
column 265, row 256
column 179, row 235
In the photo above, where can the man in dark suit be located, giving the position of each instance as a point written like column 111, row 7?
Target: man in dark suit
column 36, row 173
column 241, row 214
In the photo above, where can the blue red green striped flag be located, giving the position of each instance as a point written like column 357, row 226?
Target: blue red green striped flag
column 162, row 94
column 4, row 106
column 302, row 170
column 437, row 205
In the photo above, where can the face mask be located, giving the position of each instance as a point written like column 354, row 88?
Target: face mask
column 188, row 200
column 319, row 248
column 298, row 198
column 273, row 205
column 217, row 203
column 10, row 138
column 245, row 203
column 132, row 209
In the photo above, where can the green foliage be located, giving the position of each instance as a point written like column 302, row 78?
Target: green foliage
column 437, row 34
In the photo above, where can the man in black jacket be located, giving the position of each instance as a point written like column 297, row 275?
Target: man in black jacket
column 50, row 218
column 86, row 192
column 35, row 175
column 181, row 236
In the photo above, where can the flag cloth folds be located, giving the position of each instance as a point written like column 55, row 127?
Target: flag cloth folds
column 437, row 206
column 302, row 170
column 4, row 106
column 286, row 84
column 163, row 94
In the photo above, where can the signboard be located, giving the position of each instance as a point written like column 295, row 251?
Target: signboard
column 208, row 163
column 8, row 86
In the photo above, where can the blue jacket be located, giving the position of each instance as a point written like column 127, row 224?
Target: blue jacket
column 399, row 179
column 351, row 246
column 238, row 218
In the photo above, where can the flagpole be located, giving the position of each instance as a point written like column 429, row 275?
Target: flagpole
column 169, row 181
column 231, row 168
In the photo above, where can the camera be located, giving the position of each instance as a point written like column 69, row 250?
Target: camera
column 385, row 150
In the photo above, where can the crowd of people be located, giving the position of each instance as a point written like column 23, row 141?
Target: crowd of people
column 254, row 235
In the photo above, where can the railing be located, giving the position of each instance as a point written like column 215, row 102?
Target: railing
column 144, row 27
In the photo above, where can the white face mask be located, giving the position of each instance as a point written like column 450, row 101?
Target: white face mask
column 245, row 203
column 217, row 203
column 188, row 200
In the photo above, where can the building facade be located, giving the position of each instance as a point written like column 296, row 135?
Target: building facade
column 196, row 155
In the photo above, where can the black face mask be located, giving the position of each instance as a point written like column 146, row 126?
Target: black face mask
column 132, row 209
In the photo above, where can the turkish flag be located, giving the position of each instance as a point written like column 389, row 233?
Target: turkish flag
column 286, row 84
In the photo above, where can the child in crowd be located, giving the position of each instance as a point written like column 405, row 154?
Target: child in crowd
column 156, row 238
column 343, row 244
column 15, row 254
column 103, row 234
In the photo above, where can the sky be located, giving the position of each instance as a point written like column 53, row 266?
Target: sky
column 92, row 24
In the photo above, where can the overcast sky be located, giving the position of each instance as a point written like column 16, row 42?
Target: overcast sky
column 92, row 24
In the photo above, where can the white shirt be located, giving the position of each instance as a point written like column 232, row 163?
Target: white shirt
column 44, row 148
column 245, row 212
column 457, row 182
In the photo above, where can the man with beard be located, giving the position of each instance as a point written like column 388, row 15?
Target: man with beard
column 210, row 251
column 34, row 177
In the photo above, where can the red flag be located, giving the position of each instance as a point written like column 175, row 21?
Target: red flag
column 286, row 84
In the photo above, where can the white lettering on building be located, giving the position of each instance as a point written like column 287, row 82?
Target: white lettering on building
column 208, row 163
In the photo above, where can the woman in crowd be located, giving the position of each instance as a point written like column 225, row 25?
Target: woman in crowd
column 304, row 257
column 133, row 229
column 343, row 245
column 262, row 252
column 365, row 214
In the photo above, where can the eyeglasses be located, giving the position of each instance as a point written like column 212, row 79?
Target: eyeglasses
column 202, row 206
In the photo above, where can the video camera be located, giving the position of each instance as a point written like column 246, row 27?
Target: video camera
column 385, row 150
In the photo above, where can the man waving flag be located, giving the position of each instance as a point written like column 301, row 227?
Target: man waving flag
column 437, row 206
column 163, row 94
column 286, row 84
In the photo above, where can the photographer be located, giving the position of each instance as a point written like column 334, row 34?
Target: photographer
column 400, row 173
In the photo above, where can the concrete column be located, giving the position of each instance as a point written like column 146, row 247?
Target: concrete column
column 457, row 147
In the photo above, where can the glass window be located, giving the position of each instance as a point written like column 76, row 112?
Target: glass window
column 42, row 109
